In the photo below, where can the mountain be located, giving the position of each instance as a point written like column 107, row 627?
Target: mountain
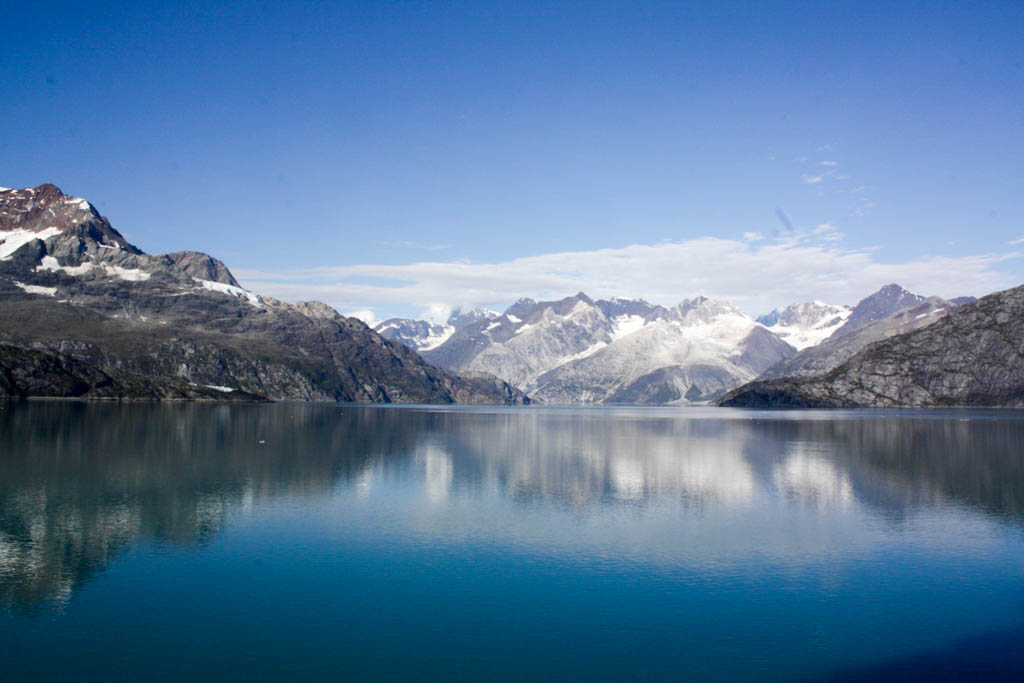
column 422, row 335
column 693, row 353
column 532, row 337
column 874, row 318
column 974, row 356
column 881, row 304
column 577, row 350
column 804, row 325
column 98, row 308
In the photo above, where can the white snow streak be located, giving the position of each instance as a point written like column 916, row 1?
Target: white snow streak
column 53, row 265
column 434, row 340
column 37, row 289
column 231, row 291
column 11, row 241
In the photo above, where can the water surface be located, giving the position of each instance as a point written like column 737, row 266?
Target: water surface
column 164, row 542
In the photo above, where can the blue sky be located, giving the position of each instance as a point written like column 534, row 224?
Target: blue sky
column 397, row 156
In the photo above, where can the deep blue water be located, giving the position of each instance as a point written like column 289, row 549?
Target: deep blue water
column 162, row 542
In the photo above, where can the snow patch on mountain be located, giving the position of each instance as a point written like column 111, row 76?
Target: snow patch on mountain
column 623, row 325
column 222, row 288
column 129, row 274
column 432, row 341
column 49, row 263
column 12, row 241
column 37, row 289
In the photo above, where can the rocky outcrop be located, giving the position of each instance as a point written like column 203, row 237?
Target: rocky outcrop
column 46, row 208
column 28, row 373
column 74, row 290
column 972, row 357
column 202, row 267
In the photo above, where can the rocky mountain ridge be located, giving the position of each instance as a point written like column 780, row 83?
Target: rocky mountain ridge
column 974, row 356
column 882, row 314
column 577, row 350
column 73, row 288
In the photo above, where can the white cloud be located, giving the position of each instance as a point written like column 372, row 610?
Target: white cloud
column 812, row 179
column 828, row 163
column 828, row 232
column 758, row 276
column 437, row 314
column 366, row 315
column 863, row 207
column 1019, row 240
column 409, row 244
column 752, row 236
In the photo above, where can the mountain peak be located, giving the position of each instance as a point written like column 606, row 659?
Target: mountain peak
column 46, row 211
column 883, row 303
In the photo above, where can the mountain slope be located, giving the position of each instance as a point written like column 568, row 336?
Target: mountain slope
column 835, row 350
column 29, row 373
column 577, row 350
column 972, row 357
column 881, row 304
column 695, row 352
column 532, row 337
column 808, row 324
column 71, row 285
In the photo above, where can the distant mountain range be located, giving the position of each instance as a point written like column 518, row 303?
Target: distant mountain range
column 577, row 350
column 83, row 313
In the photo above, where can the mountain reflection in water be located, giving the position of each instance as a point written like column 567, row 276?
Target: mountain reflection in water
column 80, row 483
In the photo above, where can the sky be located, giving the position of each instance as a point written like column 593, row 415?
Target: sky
column 403, row 158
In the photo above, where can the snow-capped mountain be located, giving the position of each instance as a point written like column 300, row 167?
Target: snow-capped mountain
column 532, row 337
column 423, row 335
column 883, row 303
column 577, row 350
column 807, row 324
column 694, row 352
column 877, row 321
column 85, row 313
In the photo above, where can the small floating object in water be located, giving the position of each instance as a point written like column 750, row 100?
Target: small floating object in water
column 262, row 441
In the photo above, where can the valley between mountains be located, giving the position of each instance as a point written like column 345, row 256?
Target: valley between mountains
column 85, row 314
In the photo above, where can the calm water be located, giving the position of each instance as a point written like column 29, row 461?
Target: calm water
column 158, row 542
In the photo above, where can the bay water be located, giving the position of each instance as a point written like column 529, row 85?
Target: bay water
column 300, row 542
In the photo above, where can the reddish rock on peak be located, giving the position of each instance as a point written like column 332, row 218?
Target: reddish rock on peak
column 36, row 209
